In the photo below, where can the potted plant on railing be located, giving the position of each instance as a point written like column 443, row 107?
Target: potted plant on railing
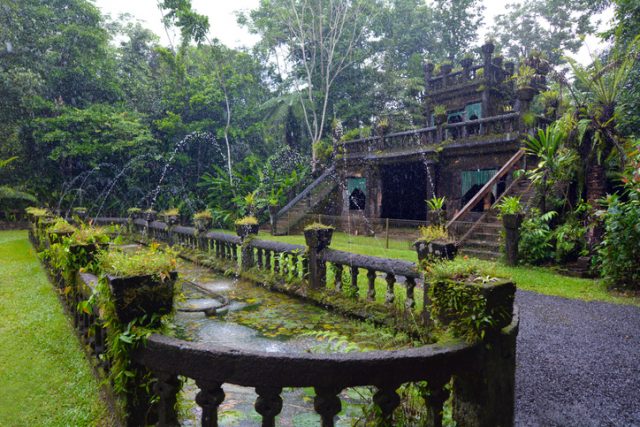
column 246, row 226
column 134, row 213
column 511, row 213
column 440, row 114
column 436, row 213
column 80, row 212
column 170, row 216
column 202, row 220
column 524, row 81
column 435, row 243
column 382, row 126
column 59, row 230
column 446, row 67
column 140, row 283
column 149, row 215
column 318, row 236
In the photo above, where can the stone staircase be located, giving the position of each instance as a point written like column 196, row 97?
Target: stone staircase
column 290, row 217
column 485, row 239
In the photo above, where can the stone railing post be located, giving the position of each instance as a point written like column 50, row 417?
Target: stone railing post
column 485, row 392
column 317, row 241
column 512, row 237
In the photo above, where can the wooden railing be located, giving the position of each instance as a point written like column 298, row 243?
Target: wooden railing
column 480, row 195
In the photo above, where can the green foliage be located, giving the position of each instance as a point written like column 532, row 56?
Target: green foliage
column 524, row 76
column 436, row 203
column 570, row 241
column 434, row 232
column 142, row 262
column 619, row 252
column 203, row 215
column 439, row 110
column 61, row 226
column 247, row 220
column 318, row 226
column 510, row 205
column 170, row 212
column 535, row 245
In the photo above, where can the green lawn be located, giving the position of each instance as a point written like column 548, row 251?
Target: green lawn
column 536, row 279
column 45, row 379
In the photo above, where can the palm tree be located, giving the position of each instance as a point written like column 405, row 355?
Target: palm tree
column 602, row 82
column 556, row 162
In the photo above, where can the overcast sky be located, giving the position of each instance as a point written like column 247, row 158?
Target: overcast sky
column 223, row 24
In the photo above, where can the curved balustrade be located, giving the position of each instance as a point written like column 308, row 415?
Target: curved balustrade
column 482, row 372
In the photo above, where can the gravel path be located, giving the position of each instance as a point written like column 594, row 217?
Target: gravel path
column 578, row 363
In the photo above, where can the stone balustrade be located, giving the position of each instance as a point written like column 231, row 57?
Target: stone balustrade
column 425, row 139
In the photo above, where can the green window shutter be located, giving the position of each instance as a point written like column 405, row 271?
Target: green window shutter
column 477, row 177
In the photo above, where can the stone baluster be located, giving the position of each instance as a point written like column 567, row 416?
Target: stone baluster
column 209, row 398
column 354, row 279
column 259, row 257
column 285, row 264
column 327, row 404
column 167, row 387
column 268, row 404
column 338, row 277
column 387, row 400
column 391, row 280
column 267, row 259
column 216, row 248
column 234, row 252
column 276, row 262
column 436, row 395
column 410, row 284
column 371, row 292
column 305, row 268
column 294, row 265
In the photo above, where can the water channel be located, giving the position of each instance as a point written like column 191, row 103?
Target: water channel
column 236, row 313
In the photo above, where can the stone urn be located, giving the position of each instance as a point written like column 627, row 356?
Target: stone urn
column 526, row 93
column 440, row 119
column 139, row 295
column 150, row 215
column 201, row 224
column 80, row 212
column 244, row 230
column 512, row 224
column 171, row 220
column 466, row 62
column 318, row 238
column 435, row 249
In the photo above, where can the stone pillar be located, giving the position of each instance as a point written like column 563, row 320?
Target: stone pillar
column 485, row 393
column 247, row 255
column 512, row 230
column 317, row 241
column 487, row 51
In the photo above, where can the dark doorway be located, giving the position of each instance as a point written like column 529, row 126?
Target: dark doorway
column 404, row 190
column 357, row 200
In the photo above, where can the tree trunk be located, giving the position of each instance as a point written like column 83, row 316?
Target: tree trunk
column 596, row 183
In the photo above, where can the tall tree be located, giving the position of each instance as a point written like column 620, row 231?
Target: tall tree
column 322, row 39
column 553, row 27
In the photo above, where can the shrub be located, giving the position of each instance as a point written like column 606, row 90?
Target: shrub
column 247, row 220
column 619, row 253
column 434, row 232
column 140, row 263
column 510, row 205
column 535, row 238
column 570, row 241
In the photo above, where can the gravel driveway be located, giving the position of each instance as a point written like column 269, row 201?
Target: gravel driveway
column 578, row 363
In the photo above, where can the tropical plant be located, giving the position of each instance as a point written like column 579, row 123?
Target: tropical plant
column 556, row 162
column 439, row 110
column 203, row 215
column 436, row 203
column 247, row 220
column 524, row 76
column 510, row 205
column 535, row 244
column 430, row 233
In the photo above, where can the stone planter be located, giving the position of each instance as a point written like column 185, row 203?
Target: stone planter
column 171, row 220
column 440, row 119
column 139, row 295
column 149, row 216
column 201, row 224
column 318, row 239
column 58, row 236
column 244, row 230
column 526, row 93
column 511, row 224
column 435, row 249
column 88, row 251
column 466, row 62
column 436, row 216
